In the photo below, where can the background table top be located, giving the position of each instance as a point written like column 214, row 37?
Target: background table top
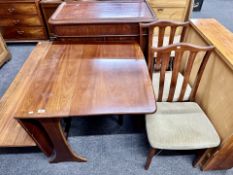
column 101, row 12
column 88, row 79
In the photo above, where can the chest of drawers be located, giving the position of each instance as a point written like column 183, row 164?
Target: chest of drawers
column 21, row 20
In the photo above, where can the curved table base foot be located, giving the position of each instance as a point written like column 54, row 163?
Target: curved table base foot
column 75, row 158
column 49, row 136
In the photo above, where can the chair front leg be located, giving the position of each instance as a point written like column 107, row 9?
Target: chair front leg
column 150, row 155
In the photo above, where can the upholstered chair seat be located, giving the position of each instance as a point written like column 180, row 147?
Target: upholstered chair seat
column 180, row 126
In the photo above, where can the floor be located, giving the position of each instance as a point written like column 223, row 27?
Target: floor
column 222, row 10
column 101, row 138
column 122, row 154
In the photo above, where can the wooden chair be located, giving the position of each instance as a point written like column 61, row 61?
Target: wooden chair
column 180, row 125
column 176, row 34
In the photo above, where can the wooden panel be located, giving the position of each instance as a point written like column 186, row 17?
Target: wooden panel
column 211, row 94
column 12, row 134
column 214, row 98
column 177, row 10
column 177, row 14
column 23, row 32
column 20, row 20
column 194, row 38
column 215, row 91
column 172, row 9
column 52, row 1
column 102, row 12
column 18, row 8
column 168, row 3
column 209, row 30
column 102, row 81
column 97, row 30
column 4, row 53
column 223, row 158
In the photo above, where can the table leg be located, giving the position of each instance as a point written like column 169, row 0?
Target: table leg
column 67, row 122
column 49, row 136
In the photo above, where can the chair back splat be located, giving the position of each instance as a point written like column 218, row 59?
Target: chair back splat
column 161, row 26
column 179, row 49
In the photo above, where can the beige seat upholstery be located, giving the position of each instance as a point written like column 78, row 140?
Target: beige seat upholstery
column 167, row 83
column 180, row 125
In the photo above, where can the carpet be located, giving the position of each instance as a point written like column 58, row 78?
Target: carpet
column 122, row 154
column 8, row 71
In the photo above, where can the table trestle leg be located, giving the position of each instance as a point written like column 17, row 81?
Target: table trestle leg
column 49, row 136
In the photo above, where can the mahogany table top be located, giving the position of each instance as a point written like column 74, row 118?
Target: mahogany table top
column 102, row 12
column 88, row 79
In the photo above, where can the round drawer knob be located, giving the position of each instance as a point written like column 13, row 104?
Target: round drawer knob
column 20, row 32
column 16, row 21
column 11, row 10
column 160, row 10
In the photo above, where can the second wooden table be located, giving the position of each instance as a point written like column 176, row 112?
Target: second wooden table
column 102, row 21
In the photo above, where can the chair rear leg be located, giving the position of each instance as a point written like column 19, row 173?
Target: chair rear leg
column 150, row 155
column 199, row 158
column 120, row 120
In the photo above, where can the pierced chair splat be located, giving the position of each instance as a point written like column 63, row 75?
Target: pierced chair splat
column 161, row 33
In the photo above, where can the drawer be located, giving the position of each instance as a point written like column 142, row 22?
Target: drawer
column 170, row 13
column 18, row 8
column 27, row 33
column 90, row 30
column 20, row 20
column 168, row 3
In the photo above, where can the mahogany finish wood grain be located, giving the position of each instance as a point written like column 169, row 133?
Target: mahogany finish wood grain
column 89, row 79
column 101, row 21
column 74, row 80
column 21, row 20
column 101, row 12
column 11, row 133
